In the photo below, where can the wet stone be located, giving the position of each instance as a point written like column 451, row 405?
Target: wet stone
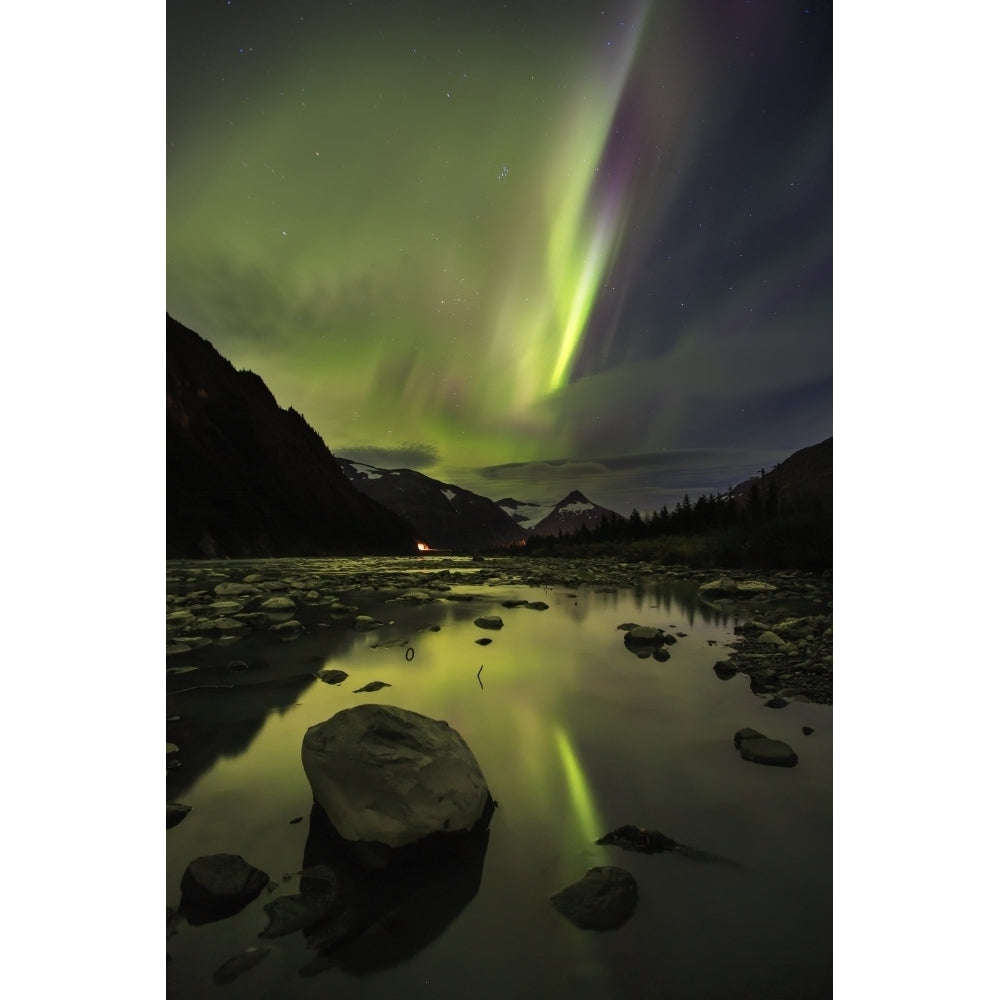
column 758, row 749
column 220, row 882
column 332, row 676
column 604, row 899
column 239, row 964
column 278, row 604
column 293, row 913
column 489, row 621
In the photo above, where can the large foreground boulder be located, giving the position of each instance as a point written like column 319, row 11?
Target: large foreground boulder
column 394, row 782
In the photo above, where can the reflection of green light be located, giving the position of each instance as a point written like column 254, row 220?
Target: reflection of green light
column 579, row 789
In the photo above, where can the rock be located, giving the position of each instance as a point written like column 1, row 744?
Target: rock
column 220, row 883
column 175, row 813
column 644, row 635
column 661, row 654
column 771, row 637
column 489, row 621
column 537, row 606
column 373, row 686
column 724, row 670
column 239, row 964
column 602, row 900
column 776, row 702
column 807, row 730
column 415, row 596
column 228, row 625
column 388, row 778
column 483, row 642
column 365, row 623
column 638, row 838
column 292, row 913
column 236, row 590
column 332, row 676
column 758, row 749
column 278, row 604
column 290, row 629
column 511, row 603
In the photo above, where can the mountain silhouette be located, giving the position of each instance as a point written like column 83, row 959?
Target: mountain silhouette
column 246, row 478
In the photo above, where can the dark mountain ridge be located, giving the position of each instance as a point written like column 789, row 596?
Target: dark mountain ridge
column 246, row 478
column 445, row 516
column 803, row 483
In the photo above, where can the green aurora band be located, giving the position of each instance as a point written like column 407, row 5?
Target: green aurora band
column 443, row 225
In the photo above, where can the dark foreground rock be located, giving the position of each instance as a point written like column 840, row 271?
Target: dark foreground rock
column 176, row 811
column 219, row 885
column 638, row 838
column 602, row 900
column 758, row 749
column 394, row 782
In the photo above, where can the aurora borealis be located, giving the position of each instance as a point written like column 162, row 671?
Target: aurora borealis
column 523, row 247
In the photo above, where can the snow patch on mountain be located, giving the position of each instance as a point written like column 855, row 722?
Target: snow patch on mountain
column 364, row 470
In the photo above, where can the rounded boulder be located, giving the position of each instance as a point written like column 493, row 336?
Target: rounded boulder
column 389, row 777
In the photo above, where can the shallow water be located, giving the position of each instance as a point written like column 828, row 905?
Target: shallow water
column 575, row 734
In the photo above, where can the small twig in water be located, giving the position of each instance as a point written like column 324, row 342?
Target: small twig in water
column 478, row 672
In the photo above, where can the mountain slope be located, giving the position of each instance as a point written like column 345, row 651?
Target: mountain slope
column 445, row 516
column 247, row 478
column 803, row 482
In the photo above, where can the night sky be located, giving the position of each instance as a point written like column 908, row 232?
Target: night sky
column 524, row 247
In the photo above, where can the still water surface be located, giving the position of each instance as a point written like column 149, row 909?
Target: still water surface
column 576, row 735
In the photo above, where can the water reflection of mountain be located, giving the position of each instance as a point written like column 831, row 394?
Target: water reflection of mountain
column 385, row 916
column 217, row 722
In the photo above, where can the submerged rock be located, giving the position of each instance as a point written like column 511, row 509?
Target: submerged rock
column 292, row 913
column 388, row 778
column 758, row 749
column 638, row 838
column 373, row 686
column 217, row 885
column 489, row 621
column 238, row 964
column 602, row 900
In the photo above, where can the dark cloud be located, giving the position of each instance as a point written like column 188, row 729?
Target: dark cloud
column 405, row 456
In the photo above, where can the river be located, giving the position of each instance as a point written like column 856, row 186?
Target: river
column 576, row 735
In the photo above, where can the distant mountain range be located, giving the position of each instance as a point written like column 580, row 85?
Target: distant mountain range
column 246, row 478
column 445, row 516
column 450, row 517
